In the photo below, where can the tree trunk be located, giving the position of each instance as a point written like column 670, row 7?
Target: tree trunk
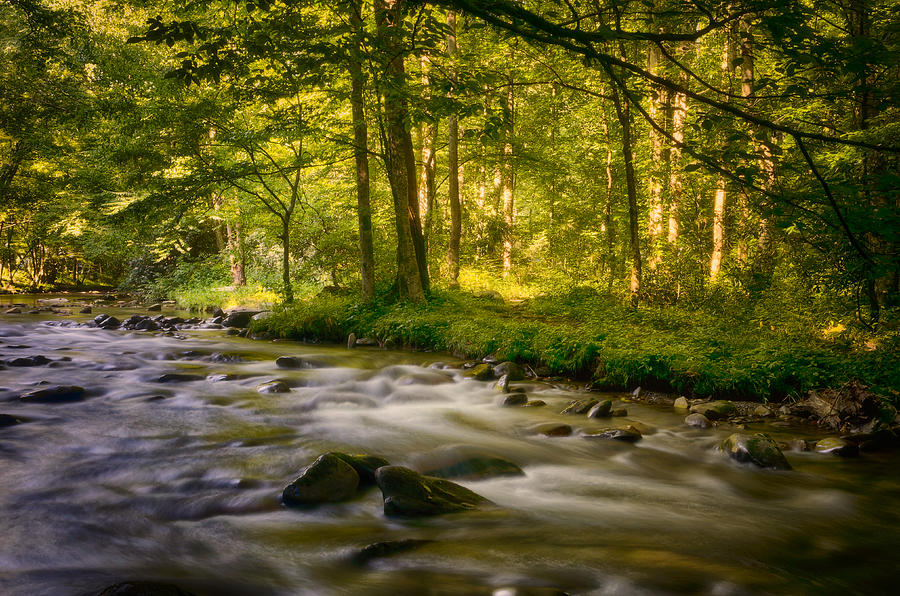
column 453, row 167
column 286, row 258
column 400, row 161
column 610, row 232
column 624, row 115
column 235, row 253
column 508, row 179
column 361, row 155
column 655, row 185
column 715, row 262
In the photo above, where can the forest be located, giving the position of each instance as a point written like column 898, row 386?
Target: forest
column 559, row 181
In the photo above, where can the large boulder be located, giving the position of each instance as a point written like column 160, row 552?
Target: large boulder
column 715, row 410
column 410, row 494
column 758, row 449
column 329, row 479
column 481, row 372
column 601, row 410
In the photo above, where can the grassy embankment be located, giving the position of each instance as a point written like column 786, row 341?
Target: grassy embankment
column 759, row 351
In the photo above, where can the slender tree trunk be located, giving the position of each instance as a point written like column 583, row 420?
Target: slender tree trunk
column 286, row 258
column 655, row 186
column 715, row 263
column 428, row 134
column 235, row 248
column 508, row 179
column 610, row 232
column 624, row 116
column 400, row 161
column 453, row 166
column 361, row 155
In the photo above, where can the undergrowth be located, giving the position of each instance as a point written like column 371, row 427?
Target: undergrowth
column 580, row 333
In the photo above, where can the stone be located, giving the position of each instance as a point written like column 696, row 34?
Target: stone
column 261, row 316
column 614, row 434
column 535, row 403
column 758, row 449
column 13, row 311
column 298, row 362
column 762, row 411
column 154, row 307
column 580, row 406
column 85, row 310
column 351, row 341
column 715, row 410
column 379, row 550
column 618, row 412
column 239, row 318
column 54, row 394
column 179, row 378
column 273, row 387
column 503, row 384
column 477, row 468
column 329, row 479
column 682, row 404
column 528, row 591
column 481, row 372
column 29, row 361
column 364, row 465
column 836, row 446
column 514, row 399
column 142, row 588
column 8, row 420
column 512, row 371
column 601, row 410
column 551, row 429
column 407, row 493
column 697, row 420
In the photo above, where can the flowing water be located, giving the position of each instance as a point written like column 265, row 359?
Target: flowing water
column 181, row 481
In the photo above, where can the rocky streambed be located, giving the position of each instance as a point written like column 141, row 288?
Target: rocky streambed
column 179, row 459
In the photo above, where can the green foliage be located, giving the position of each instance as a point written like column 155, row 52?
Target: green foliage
column 588, row 335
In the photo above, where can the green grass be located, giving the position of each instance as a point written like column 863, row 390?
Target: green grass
column 739, row 351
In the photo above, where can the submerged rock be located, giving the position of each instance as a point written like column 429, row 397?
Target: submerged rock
column 8, row 420
column 179, row 378
column 550, row 429
column 329, row 479
column 273, row 387
column 477, row 468
column 29, row 361
column 758, row 449
column 143, row 589
column 614, row 434
column 715, row 410
column 581, row 406
column 836, row 446
column 55, row 394
column 379, row 550
column 410, row 494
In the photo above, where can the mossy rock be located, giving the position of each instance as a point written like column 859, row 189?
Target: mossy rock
column 715, row 410
column 550, row 429
column 273, row 387
column 55, row 394
column 481, row 372
column 682, row 404
column 364, row 465
column 407, row 493
column 697, row 421
column 329, row 479
column 758, row 449
column 514, row 399
column 836, row 446
column 581, row 406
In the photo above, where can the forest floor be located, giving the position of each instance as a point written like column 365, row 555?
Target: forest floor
column 761, row 351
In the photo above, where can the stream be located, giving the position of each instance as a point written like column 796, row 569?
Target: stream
column 171, row 469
